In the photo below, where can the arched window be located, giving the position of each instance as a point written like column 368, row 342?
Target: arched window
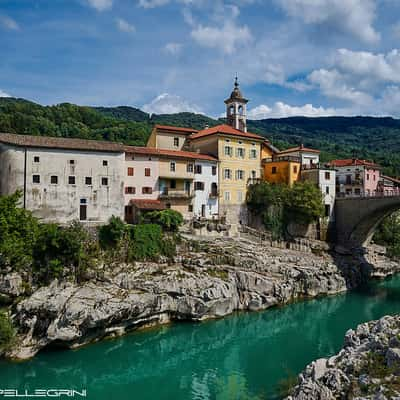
column 231, row 109
column 240, row 110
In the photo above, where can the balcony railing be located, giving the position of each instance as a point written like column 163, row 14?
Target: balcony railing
column 281, row 159
column 176, row 194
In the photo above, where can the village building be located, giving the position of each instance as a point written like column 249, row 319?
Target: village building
column 61, row 179
column 389, row 186
column 356, row 177
column 141, row 180
column 169, row 137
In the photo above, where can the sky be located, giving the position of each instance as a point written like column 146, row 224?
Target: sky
column 292, row 57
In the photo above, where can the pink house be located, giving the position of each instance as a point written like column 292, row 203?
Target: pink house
column 356, row 177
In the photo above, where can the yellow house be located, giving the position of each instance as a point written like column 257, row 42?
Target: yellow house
column 169, row 137
column 239, row 155
column 283, row 169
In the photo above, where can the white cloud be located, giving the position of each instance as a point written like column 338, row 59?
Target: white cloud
column 9, row 23
column 100, row 5
column 152, row 3
column 169, row 104
column 348, row 16
column 226, row 38
column 283, row 110
column 125, row 26
column 173, row 48
column 366, row 65
column 4, row 94
column 333, row 84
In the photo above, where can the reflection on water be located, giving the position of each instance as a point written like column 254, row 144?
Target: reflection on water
column 240, row 357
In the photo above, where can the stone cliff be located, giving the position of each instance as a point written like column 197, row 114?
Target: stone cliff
column 209, row 279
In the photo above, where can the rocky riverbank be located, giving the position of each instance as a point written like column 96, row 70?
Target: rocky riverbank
column 368, row 366
column 208, row 279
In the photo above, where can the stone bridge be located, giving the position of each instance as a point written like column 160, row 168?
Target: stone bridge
column 356, row 218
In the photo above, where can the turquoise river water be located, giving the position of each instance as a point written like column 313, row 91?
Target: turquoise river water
column 243, row 356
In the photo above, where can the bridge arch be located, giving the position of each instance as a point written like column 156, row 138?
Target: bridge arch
column 356, row 218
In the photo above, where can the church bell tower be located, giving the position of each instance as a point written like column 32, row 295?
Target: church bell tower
column 236, row 109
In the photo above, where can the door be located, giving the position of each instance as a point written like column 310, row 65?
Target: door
column 203, row 210
column 83, row 212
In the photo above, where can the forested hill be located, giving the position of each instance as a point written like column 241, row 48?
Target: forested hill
column 365, row 137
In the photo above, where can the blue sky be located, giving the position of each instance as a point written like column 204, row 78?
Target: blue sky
column 293, row 57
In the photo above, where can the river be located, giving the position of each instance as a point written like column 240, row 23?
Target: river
column 244, row 356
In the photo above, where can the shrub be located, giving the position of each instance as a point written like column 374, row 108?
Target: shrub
column 110, row 235
column 169, row 220
column 146, row 242
column 7, row 332
column 18, row 230
column 60, row 251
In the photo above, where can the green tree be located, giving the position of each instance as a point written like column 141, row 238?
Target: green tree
column 110, row 235
column 304, row 203
column 388, row 234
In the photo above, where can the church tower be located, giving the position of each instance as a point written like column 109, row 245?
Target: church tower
column 236, row 109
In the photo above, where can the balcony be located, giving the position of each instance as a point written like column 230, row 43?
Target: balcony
column 176, row 194
column 282, row 159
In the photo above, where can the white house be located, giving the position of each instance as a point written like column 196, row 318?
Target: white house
column 306, row 155
column 205, row 202
column 61, row 179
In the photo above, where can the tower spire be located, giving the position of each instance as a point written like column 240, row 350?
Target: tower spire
column 236, row 108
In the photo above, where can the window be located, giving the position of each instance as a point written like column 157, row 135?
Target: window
column 172, row 184
column 189, row 168
column 240, row 196
column 147, row 172
column 72, row 162
column 36, row 159
column 240, row 152
column 54, row 179
column 131, row 171
column 227, row 174
column 327, row 210
column 253, row 174
column 327, row 189
column 36, row 178
column 367, row 177
column 227, row 196
column 327, row 176
column 348, row 179
column 176, row 141
column 168, row 205
column 172, row 166
column 374, row 177
column 357, row 191
column 71, row 180
column 295, row 169
column 273, row 171
column 199, row 186
column 147, row 190
column 214, row 170
column 105, row 163
column 228, row 151
column 239, row 174
column 88, row 180
column 130, row 190
column 197, row 169
column 190, row 207
column 83, row 201
column 253, row 153
column 104, row 181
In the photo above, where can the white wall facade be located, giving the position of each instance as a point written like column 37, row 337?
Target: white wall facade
column 43, row 176
column 205, row 204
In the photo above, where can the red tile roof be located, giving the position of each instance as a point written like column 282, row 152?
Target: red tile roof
column 352, row 161
column 168, row 153
column 170, row 128
column 60, row 143
column 226, row 130
column 144, row 204
column 300, row 148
